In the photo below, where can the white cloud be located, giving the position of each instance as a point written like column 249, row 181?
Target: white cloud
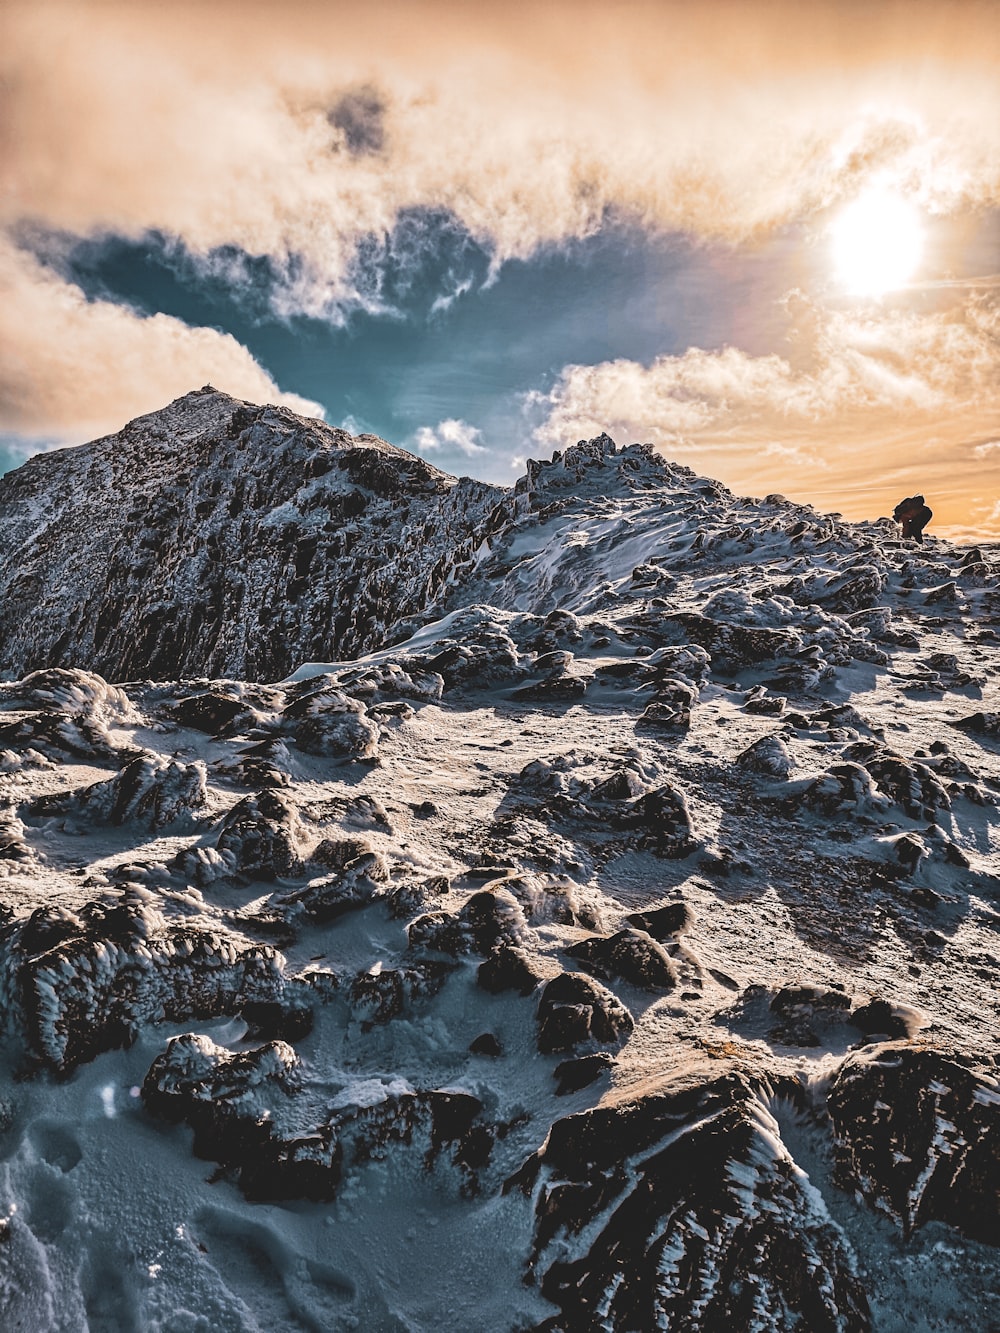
column 460, row 435
column 426, row 441
column 451, row 435
column 985, row 449
column 796, row 455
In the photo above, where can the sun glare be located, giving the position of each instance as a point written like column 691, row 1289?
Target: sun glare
column 877, row 243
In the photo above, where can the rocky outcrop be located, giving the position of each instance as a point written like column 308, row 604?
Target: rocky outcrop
column 248, row 1113
column 86, row 982
column 684, row 1210
column 918, row 1133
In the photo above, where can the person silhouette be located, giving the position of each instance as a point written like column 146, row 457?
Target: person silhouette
column 913, row 516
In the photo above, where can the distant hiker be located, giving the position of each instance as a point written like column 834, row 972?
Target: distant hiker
column 913, row 516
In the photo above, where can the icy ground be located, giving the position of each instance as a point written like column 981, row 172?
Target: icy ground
column 619, row 951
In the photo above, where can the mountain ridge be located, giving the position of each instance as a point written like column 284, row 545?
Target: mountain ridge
column 220, row 538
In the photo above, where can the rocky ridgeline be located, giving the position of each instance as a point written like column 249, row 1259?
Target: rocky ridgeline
column 655, row 873
column 220, row 538
column 217, row 538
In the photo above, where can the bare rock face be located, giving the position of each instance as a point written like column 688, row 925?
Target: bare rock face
column 217, row 538
column 918, row 1133
column 683, row 1210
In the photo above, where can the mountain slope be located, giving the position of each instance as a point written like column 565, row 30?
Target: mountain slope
column 615, row 949
column 219, row 538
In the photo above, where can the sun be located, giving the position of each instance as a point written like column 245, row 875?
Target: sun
column 877, row 242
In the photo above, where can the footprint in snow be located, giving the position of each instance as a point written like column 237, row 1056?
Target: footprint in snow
column 56, row 1144
column 282, row 1288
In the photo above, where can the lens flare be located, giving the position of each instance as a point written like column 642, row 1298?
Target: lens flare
column 877, row 243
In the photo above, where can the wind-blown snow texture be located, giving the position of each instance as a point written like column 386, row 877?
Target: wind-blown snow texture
column 613, row 945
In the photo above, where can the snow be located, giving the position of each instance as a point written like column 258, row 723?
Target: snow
column 664, row 587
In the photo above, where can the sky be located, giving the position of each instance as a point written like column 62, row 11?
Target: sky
column 764, row 237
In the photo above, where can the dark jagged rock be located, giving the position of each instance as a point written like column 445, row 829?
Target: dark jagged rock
column 263, row 835
column 149, row 790
column 631, row 955
column 844, row 788
column 664, row 922
column 271, row 1020
column 683, row 1210
column 486, row 919
column 806, row 1013
column 487, row 1044
column 415, row 897
column 769, row 756
column 556, row 688
column 326, row 721
column 87, row 983
column 574, row 1011
column 918, row 1133
column 355, row 885
column 65, row 713
column 980, row 724
column 302, row 543
column 762, row 704
column 573, row 1075
column 665, row 820
column 217, row 710
column 382, row 994
column 509, row 968
column 249, row 1113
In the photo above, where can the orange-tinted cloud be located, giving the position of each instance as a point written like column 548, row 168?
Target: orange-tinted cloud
column 72, row 369
column 874, row 407
column 292, row 130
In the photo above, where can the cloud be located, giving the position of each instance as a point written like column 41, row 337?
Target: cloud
column 796, row 455
column 295, row 132
column 874, row 403
column 72, row 369
column 426, row 440
column 450, row 436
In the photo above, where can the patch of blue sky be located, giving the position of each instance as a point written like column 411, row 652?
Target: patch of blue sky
column 437, row 335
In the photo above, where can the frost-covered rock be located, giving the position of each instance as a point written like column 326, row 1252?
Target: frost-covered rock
column 149, row 790
column 264, row 836
column 65, row 713
column 575, row 1012
column 918, row 1133
column 326, row 721
column 485, row 920
column 684, row 1210
column 88, row 982
column 769, row 755
column 218, row 538
column 249, row 1111
column 631, row 955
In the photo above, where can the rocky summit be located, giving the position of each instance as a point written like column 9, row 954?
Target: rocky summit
column 427, row 905
column 220, row 538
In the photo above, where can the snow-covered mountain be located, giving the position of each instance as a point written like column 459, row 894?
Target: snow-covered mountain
column 220, row 538
column 613, row 945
